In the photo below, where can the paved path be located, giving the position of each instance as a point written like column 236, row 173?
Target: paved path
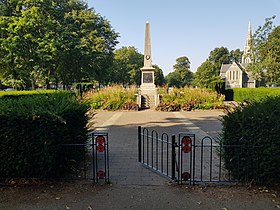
column 122, row 129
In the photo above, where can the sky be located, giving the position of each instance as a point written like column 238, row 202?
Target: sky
column 189, row 28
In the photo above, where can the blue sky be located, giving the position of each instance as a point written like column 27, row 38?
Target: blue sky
column 189, row 28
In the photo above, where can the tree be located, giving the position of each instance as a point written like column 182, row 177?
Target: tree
column 159, row 77
column 266, row 53
column 182, row 68
column 174, row 79
column 219, row 56
column 270, row 57
column 62, row 41
column 235, row 56
column 126, row 66
column 206, row 75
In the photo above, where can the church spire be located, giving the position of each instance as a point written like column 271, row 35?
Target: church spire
column 246, row 57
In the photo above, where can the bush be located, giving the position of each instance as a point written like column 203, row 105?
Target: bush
column 32, row 132
column 251, row 133
column 187, row 99
column 250, row 94
column 80, row 88
column 23, row 93
column 112, row 98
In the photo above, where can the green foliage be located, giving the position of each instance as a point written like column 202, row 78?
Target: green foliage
column 32, row 132
column 188, row 99
column 219, row 56
column 112, row 98
column 182, row 69
column 53, row 41
column 266, row 53
column 251, row 134
column 19, row 93
column 235, row 55
column 253, row 94
column 173, row 80
column 126, row 66
column 159, row 77
column 206, row 76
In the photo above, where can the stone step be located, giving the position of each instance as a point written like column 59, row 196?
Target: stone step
column 147, row 102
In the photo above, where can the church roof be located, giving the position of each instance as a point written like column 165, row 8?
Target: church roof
column 225, row 67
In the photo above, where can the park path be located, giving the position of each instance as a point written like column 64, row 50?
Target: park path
column 122, row 129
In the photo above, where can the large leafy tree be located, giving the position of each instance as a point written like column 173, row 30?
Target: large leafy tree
column 270, row 57
column 235, row 55
column 181, row 72
column 206, row 75
column 174, row 79
column 266, row 53
column 219, row 56
column 62, row 41
column 126, row 67
column 159, row 77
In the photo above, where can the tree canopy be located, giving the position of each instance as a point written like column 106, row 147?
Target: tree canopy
column 159, row 77
column 219, row 56
column 126, row 66
column 182, row 75
column 206, row 75
column 53, row 41
column 266, row 53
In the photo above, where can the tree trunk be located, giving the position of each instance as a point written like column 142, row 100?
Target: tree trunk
column 47, row 83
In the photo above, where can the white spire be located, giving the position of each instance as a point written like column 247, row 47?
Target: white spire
column 246, row 57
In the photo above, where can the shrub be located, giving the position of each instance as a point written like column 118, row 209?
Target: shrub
column 32, row 132
column 169, row 107
column 23, row 93
column 187, row 99
column 252, row 133
column 251, row 94
column 111, row 98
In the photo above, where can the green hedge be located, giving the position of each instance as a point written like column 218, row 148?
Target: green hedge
column 253, row 131
column 21, row 93
column 32, row 131
column 250, row 94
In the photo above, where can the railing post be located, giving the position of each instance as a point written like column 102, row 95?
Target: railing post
column 173, row 163
column 139, row 144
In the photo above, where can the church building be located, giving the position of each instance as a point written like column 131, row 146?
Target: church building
column 235, row 74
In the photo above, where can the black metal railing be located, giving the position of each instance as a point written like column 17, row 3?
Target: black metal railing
column 188, row 160
column 157, row 152
column 202, row 161
column 95, row 164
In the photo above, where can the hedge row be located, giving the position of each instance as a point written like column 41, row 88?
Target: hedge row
column 32, row 132
column 250, row 94
column 22, row 93
column 253, row 131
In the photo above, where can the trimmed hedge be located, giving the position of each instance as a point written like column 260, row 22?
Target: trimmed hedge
column 22, row 93
column 250, row 94
column 32, row 131
column 253, row 133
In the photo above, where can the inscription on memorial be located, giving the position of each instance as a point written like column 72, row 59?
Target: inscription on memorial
column 147, row 78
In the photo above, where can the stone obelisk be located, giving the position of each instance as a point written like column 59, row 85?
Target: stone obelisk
column 148, row 88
